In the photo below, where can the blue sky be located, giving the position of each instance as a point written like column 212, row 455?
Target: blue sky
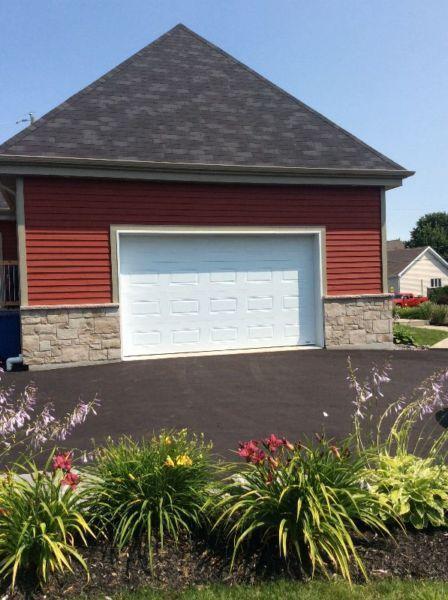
column 379, row 68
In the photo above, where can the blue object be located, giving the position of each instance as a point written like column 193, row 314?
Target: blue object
column 9, row 333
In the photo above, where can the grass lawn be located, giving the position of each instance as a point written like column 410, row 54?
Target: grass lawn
column 392, row 589
column 426, row 337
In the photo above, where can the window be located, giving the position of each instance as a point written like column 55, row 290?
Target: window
column 436, row 282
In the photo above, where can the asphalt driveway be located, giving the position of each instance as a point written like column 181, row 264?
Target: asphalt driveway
column 228, row 398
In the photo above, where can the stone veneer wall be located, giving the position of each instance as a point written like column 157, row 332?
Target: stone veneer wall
column 70, row 335
column 358, row 320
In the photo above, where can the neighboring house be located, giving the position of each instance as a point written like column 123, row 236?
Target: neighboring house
column 183, row 203
column 416, row 270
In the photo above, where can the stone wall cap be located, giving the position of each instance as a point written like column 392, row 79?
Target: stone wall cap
column 359, row 297
column 69, row 306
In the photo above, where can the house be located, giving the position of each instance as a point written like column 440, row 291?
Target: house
column 183, row 203
column 415, row 270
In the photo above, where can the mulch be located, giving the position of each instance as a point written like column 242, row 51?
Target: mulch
column 409, row 555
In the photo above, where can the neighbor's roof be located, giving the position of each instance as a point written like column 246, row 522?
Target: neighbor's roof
column 398, row 260
column 395, row 245
column 183, row 100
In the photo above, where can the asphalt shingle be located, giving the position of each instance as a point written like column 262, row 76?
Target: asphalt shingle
column 183, row 100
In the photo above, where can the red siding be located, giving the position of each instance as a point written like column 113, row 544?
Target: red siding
column 9, row 240
column 68, row 220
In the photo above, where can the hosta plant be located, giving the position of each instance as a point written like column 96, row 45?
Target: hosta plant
column 416, row 487
column 145, row 492
column 26, row 428
column 305, row 501
column 41, row 521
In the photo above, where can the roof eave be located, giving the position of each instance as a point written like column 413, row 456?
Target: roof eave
column 99, row 167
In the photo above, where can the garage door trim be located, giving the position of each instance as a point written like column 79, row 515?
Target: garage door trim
column 317, row 232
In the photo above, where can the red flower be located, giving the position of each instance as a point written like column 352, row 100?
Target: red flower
column 246, row 449
column 63, row 461
column 273, row 442
column 251, row 452
column 71, row 479
column 257, row 457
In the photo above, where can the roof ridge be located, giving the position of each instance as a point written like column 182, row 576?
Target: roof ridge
column 288, row 94
column 89, row 87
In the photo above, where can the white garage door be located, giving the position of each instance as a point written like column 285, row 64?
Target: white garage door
column 189, row 293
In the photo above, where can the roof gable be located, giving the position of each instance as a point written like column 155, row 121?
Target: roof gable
column 182, row 100
column 400, row 261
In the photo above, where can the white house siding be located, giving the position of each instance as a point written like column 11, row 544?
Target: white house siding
column 417, row 279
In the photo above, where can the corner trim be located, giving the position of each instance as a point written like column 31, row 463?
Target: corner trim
column 384, row 273
column 21, row 241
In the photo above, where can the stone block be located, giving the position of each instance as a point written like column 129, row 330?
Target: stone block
column 67, row 334
column 114, row 353
column 96, row 355
column 44, row 345
column 45, row 328
column 74, row 354
column 106, row 325
column 358, row 336
column 334, row 309
column 381, row 326
column 57, row 318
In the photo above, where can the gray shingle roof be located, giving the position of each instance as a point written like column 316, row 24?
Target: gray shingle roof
column 183, row 100
column 397, row 260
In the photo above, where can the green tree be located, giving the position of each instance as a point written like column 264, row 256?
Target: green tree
column 431, row 230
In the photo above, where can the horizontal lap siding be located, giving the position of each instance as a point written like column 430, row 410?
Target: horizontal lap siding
column 68, row 221
column 8, row 233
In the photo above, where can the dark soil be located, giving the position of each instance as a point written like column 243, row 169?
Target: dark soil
column 416, row 555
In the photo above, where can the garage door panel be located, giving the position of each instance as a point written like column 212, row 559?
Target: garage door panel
column 196, row 293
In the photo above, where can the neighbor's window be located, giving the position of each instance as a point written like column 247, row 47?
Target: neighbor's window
column 437, row 282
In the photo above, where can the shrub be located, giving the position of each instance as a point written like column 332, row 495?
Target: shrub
column 426, row 309
column 40, row 522
column 439, row 295
column 409, row 312
column 304, row 501
column 439, row 314
column 403, row 336
column 144, row 492
column 417, row 487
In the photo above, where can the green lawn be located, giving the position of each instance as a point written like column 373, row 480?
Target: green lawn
column 426, row 337
column 392, row 590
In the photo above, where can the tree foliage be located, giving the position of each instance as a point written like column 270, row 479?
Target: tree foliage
column 431, row 230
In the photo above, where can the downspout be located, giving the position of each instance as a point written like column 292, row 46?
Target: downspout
column 13, row 360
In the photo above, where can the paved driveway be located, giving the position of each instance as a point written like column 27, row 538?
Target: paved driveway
column 229, row 398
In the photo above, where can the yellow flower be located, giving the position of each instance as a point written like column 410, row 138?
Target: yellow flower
column 169, row 462
column 167, row 440
column 183, row 461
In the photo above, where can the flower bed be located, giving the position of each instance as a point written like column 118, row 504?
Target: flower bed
column 164, row 512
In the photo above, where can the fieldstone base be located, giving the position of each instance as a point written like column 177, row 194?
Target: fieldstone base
column 358, row 321
column 66, row 335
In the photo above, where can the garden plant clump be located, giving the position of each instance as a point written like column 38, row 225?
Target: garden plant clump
column 145, row 492
column 164, row 512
